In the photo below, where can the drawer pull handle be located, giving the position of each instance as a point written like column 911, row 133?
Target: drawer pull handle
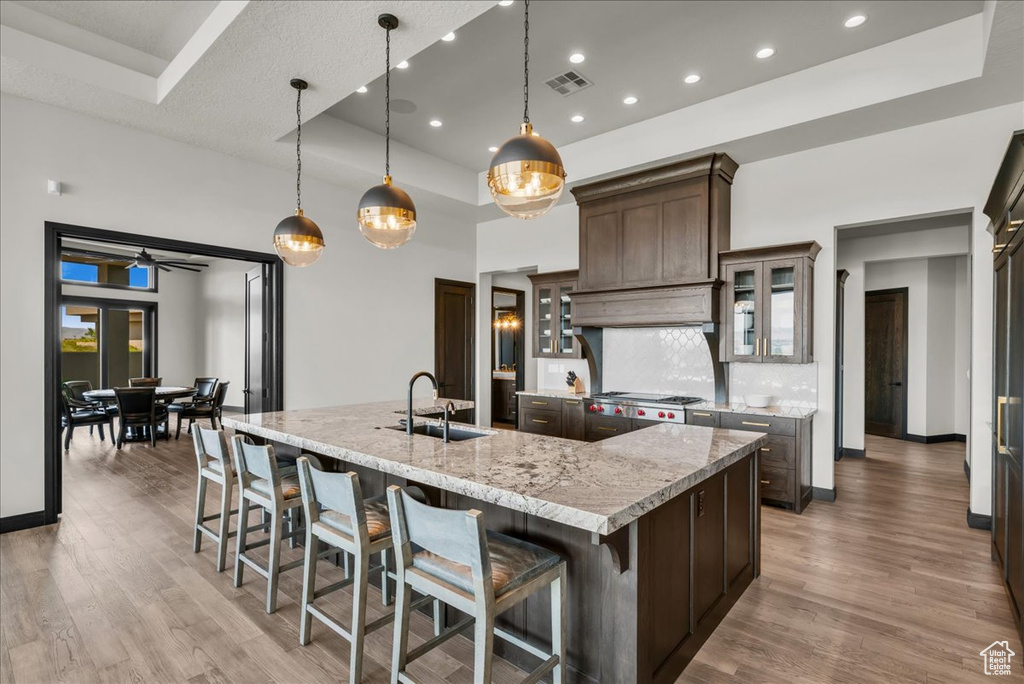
column 538, row 420
column 757, row 424
column 570, row 402
column 607, row 429
column 766, row 449
column 539, row 403
column 766, row 481
column 702, row 415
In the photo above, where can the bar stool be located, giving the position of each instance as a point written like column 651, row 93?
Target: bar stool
column 215, row 465
column 451, row 556
column 261, row 483
column 331, row 502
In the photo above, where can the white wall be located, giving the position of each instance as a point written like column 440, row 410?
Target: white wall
column 936, row 167
column 357, row 325
column 962, row 350
column 221, row 330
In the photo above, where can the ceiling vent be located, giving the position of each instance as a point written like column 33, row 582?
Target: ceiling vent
column 568, row 83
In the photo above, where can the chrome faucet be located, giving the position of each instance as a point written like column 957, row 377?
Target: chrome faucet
column 408, row 413
column 449, row 409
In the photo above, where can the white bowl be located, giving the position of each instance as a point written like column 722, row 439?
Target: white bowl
column 757, row 400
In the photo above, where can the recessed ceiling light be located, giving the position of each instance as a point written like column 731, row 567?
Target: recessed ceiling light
column 577, row 118
column 492, row 148
column 448, row 37
column 402, row 65
column 436, row 123
column 692, row 78
column 763, row 53
column 855, row 21
column 505, row 3
column 629, row 100
column 361, row 89
column 577, row 58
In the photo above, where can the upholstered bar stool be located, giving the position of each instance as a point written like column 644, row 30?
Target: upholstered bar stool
column 451, row 556
column 211, row 447
column 337, row 515
column 261, row 483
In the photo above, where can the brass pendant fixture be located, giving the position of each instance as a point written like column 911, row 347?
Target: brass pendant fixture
column 297, row 240
column 526, row 176
column 387, row 215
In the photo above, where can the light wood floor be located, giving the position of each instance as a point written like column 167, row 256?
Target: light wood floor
column 886, row 585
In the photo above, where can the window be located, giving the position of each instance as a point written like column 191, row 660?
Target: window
column 105, row 270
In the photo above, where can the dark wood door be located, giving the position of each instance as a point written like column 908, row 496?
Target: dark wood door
column 885, row 363
column 841, row 276
column 255, row 337
column 1013, row 429
column 453, row 341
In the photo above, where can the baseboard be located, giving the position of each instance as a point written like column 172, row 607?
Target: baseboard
column 233, row 409
column 978, row 521
column 13, row 523
column 849, row 452
column 967, row 470
column 935, row 439
column 823, row 494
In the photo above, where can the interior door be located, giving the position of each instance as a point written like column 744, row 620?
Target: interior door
column 255, row 336
column 841, row 276
column 885, row 363
column 453, row 341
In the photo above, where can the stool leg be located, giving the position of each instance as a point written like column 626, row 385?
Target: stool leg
column 483, row 643
column 197, row 535
column 385, row 581
column 399, row 654
column 558, row 625
column 243, row 524
column 355, row 667
column 437, row 618
column 293, row 542
column 274, row 566
column 225, row 522
column 308, row 586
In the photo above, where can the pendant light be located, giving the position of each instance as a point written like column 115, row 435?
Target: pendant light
column 526, row 177
column 387, row 215
column 297, row 240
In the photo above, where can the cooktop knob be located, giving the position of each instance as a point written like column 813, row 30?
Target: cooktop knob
column 671, row 416
column 601, row 409
column 641, row 412
column 661, row 414
column 618, row 409
column 593, row 408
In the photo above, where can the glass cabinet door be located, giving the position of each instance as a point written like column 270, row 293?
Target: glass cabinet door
column 780, row 340
column 564, row 308
column 744, row 299
column 547, row 319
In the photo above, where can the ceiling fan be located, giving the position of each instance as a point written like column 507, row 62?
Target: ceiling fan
column 144, row 260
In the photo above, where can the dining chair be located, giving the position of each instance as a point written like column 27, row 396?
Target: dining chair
column 337, row 516
column 210, row 408
column 77, row 413
column 145, row 382
column 451, row 556
column 137, row 407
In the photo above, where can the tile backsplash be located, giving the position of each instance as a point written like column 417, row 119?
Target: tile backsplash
column 551, row 373
column 660, row 360
column 790, row 384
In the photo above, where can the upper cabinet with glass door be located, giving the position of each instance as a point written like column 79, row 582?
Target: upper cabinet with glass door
column 552, row 315
column 767, row 301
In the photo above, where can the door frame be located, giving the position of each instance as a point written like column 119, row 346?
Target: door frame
column 520, row 361
column 53, row 234
column 149, row 331
column 471, row 360
column 905, row 291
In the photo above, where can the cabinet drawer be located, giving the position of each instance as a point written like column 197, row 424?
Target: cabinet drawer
column 777, row 484
column 769, row 424
column 603, row 427
column 540, row 403
column 573, row 419
column 702, row 418
column 541, row 422
column 779, row 452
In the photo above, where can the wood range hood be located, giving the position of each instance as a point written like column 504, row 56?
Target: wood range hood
column 649, row 244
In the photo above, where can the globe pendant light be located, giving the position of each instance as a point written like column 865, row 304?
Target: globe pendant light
column 297, row 240
column 526, row 177
column 387, row 215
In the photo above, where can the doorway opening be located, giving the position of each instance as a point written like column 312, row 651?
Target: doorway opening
column 123, row 305
column 454, row 342
column 508, row 354
column 885, row 362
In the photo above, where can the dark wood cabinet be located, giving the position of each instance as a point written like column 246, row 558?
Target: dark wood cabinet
column 503, row 399
column 1005, row 207
column 573, row 426
column 767, row 303
column 553, row 315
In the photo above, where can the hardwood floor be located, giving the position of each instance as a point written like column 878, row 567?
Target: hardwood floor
column 885, row 585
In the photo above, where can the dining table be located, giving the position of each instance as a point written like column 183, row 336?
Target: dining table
column 164, row 395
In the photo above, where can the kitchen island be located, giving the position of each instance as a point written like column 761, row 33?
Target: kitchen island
column 660, row 527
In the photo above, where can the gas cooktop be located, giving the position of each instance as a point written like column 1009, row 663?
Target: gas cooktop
column 640, row 405
column 642, row 398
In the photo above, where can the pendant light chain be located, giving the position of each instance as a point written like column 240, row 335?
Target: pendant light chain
column 526, row 62
column 387, row 105
column 298, row 150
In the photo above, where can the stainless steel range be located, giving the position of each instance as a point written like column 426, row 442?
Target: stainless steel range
column 640, row 405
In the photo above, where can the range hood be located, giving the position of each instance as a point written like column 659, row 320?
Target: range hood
column 649, row 244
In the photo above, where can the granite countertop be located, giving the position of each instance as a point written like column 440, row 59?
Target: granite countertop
column 777, row 411
column 598, row 487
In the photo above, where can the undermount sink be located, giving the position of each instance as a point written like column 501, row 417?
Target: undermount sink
column 454, row 434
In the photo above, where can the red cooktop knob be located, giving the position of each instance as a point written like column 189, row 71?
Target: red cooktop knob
column 641, row 412
column 618, row 409
column 593, row 408
column 601, row 409
column 671, row 416
column 661, row 414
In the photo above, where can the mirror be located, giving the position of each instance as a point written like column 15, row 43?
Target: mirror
column 508, row 331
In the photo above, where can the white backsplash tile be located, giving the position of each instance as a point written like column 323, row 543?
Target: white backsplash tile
column 551, row 373
column 789, row 384
column 660, row 360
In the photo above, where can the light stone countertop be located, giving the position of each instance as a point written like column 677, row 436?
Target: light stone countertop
column 598, row 487
column 553, row 393
column 776, row 411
